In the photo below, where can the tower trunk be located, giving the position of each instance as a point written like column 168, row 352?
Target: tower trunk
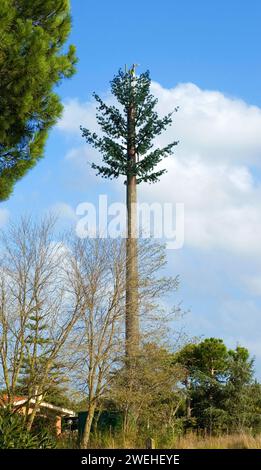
column 132, row 313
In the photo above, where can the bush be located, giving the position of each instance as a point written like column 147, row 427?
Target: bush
column 14, row 435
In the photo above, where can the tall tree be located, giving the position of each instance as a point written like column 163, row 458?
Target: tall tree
column 32, row 62
column 187, row 358
column 240, row 393
column 127, row 149
column 221, row 393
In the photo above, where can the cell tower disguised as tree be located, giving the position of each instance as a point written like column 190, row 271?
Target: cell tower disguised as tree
column 127, row 149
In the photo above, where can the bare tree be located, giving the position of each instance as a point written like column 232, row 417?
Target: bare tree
column 62, row 310
column 38, row 309
column 99, row 269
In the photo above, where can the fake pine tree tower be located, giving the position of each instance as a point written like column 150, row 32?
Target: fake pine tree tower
column 127, row 149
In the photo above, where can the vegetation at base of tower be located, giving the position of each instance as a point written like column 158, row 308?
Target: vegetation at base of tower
column 62, row 341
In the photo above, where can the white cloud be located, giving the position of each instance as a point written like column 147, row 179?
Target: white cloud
column 215, row 172
column 212, row 170
column 76, row 114
column 64, row 211
column 4, row 216
column 222, row 204
column 217, row 127
column 253, row 284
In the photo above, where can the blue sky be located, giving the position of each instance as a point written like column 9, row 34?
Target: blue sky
column 205, row 57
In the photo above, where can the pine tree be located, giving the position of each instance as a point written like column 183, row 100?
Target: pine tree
column 239, row 399
column 32, row 62
column 222, row 393
column 39, row 376
column 127, row 149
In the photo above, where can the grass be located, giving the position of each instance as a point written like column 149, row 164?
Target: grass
column 189, row 441
column 234, row 441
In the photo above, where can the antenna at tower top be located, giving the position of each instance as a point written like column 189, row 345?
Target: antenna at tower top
column 133, row 69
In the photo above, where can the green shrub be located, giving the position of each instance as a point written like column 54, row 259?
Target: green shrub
column 14, row 435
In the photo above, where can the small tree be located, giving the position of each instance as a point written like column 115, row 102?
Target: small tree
column 148, row 395
column 127, row 149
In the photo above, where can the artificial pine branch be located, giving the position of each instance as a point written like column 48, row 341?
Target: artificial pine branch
column 114, row 142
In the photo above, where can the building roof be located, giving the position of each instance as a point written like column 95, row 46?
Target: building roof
column 21, row 400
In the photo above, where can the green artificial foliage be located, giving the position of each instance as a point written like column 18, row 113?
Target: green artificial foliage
column 130, row 91
column 32, row 62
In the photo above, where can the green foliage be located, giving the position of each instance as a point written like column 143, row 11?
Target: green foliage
column 148, row 392
column 217, row 388
column 14, row 435
column 35, row 367
column 219, row 384
column 56, row 393
column 211, row 358
column 45, row 426
column 32, row 62
column 131, row 93
column 241, row 396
